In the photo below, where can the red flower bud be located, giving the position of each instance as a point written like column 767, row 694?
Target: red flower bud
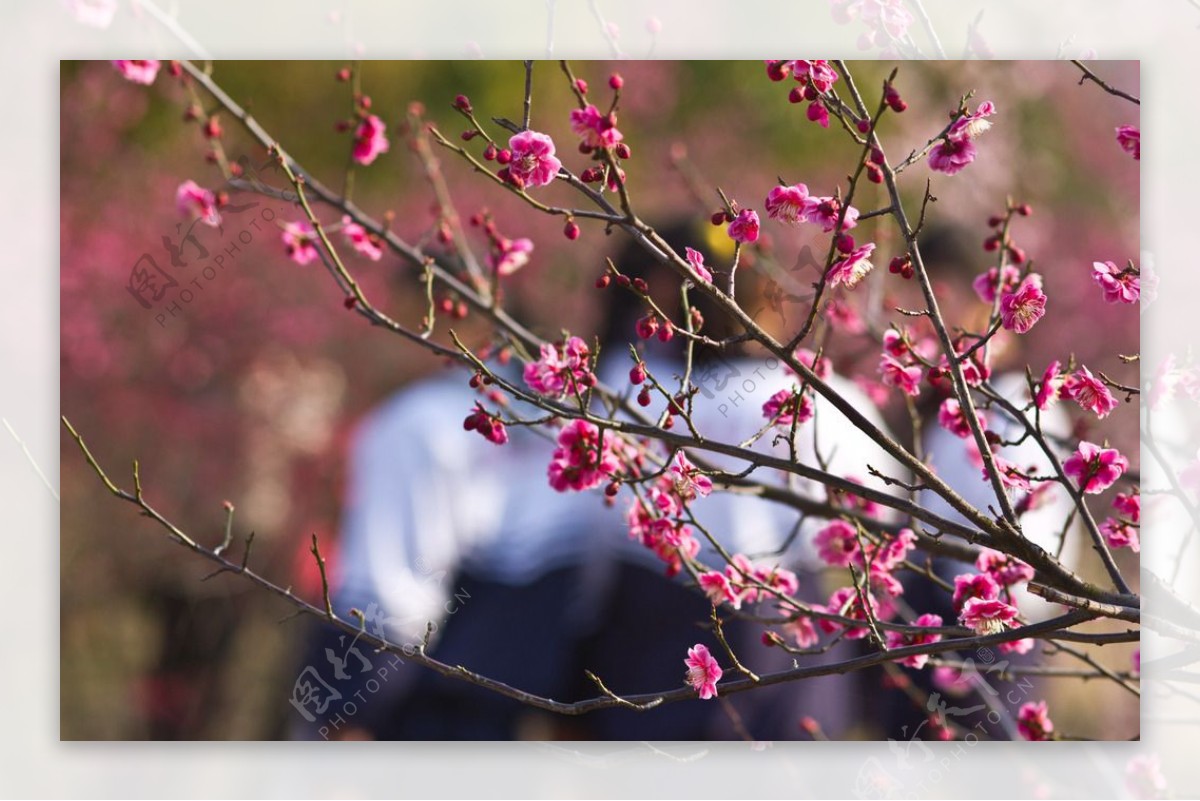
column 603, row 281
column 489, row 152
column 622, row 150
column 571, row 230
column 581, row 85
column 462, row 103
column 343, row 74
column 616, row 81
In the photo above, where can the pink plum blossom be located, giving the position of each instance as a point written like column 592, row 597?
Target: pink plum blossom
column 300, row 241
column 361, row 240
column 897, row 639
column 816, row 73
column 849, row 271
column 1094, row 468
column 596, row 129
column 563, row 368
column 1129, row 505
column 369, row 139
column 952, row 418
column 1022, row 308
column 143, row 72
column 744, row 228
column 986, row 616
column 1011, row 476
column 696, row 259
column 580, row 461
column 489, row 426
column 687, row 480
column 718, row 589
column 825, row 211
column 905, row 377
column 789, row 204
column 787, row 404
column 192, row 200
column 1050, row 386
column 1089, row 392
column 1120, row 286
column 533, row 160
column 950, row 156
column 985, row 284
column 889, row 555
column 703, row 671
column 971, row 125
column 821, row 366
column 1130, row 140
column 974, row 585
column 510, row 255
column 1119, row 534
column 1006, row 570
column 802, row 632
column 1033, row 721
column 846, row 603
column 837, row 543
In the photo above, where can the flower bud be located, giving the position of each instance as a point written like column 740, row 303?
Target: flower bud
column 571, row 230
column 637, row 374
column 616, row 81
column 462, row 103
column 603, row 281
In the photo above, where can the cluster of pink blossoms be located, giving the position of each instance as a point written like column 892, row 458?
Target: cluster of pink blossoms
column 363, row 241
column 564, row 367
column 1089, row 392
column 815, row 78
column 898, row 639
column 744, row 582
column 489, row 426
column 584, row 458
column 977, row 597
column 794, row 205
column 838, row 545
column 192, row 200
column 1122, row 531
column 595, row 129
column 654, row 520
column 952, row 418
column 956, row 149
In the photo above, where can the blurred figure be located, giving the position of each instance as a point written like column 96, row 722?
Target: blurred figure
column 533, row 587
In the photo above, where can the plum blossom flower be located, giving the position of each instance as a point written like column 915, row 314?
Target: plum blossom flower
column 696, row 259
column 583, row 459
column 489, row 426
column 687, row 480
column 987, row 616
column 1011, row 476
column 825, row 211
column 597, row 130
column 789, row 204
column 744, row 228
column 1119, row 534
column 816, row 73
column 718, row 589
column 987, row 284
column 950, row 156
column 905, row 377
column 1095, row 469
column 1130, row 140
column 533, row 160
column 1022, row 308
column 974, row 585
column 786, row 405
column 837, row 543
column 888, row 556
column 802, row 632
column 563, row 368
column 1120, row 286
column 703, row 671
column 143, row 72
column 510, row 255
column 897, row 639
column 300, row 241
column 1089, row 392
column 1050, row 386
column 852, row 269
column 1129, row 505
column 971, row 125
column 370, row 139
column 952, row 418
column 192, row 200
column 1033, row 721
column 1006, row 570
column 821, row 366
column 361, row 240
column 847, row 603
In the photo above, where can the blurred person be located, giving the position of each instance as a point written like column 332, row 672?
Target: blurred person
column 532, row 587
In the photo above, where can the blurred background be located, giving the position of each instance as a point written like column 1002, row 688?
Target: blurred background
column 250, row 390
